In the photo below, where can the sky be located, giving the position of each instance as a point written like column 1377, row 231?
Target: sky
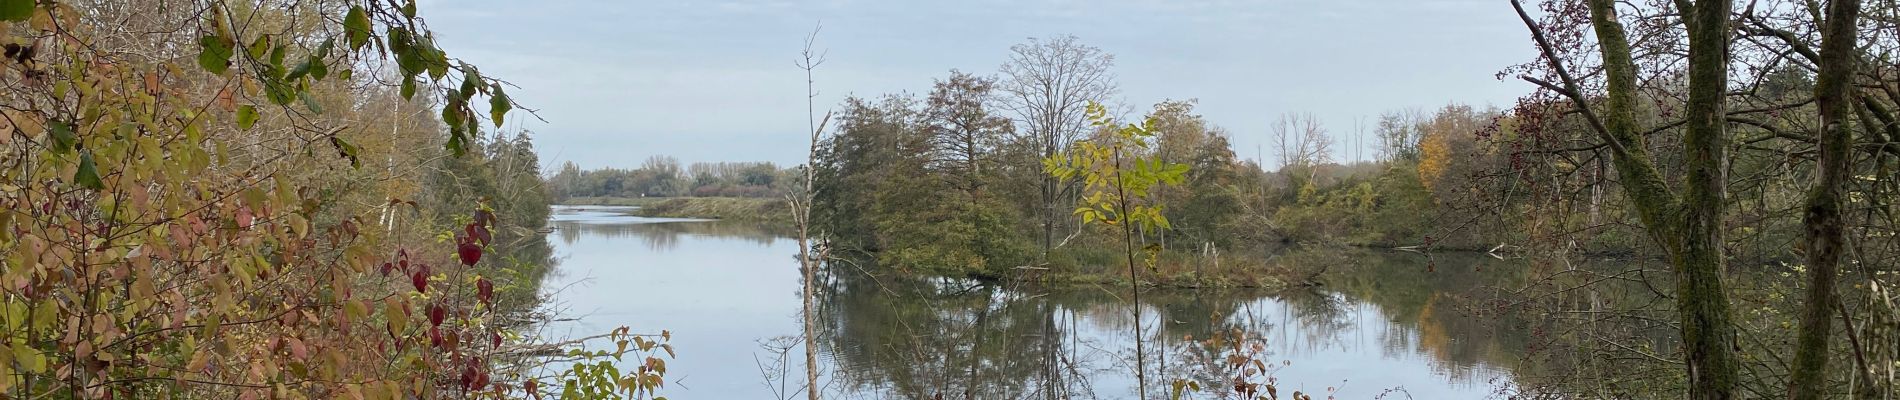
column 714, row 80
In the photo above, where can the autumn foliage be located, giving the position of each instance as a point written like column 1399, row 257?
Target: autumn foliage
column 193, row 210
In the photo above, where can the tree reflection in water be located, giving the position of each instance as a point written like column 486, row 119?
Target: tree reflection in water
column 920, row 338
column 658, row 234
column 1380, row 320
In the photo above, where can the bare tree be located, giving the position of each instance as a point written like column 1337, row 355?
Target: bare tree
column 801, row 211
column 1398, row 135
column 1048, row 84
column 1301, row 140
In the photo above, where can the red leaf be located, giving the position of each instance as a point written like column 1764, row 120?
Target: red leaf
column 484, row 218
column 485, row 291
column 437, row 314
column 435, row 337
column 479, row 233
column 496, row 338
column 388, row 267
column 244, row 218
column 421, row 280
column 470, row 253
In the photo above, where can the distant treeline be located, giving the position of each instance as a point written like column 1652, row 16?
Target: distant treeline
column 662, row 176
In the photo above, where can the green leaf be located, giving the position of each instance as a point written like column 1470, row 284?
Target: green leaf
column 468, row 85
column 409, row 10
column 438, row 61
column 356, row 26
column 16, row 10
column 318, row 69
column 346, row 150
column 498, row 105
column 323, row 50
column 88, row 174
column 452, row 112
column 260, row 46
column 277, row 56
column 408, row 57
column 455, row 142
column 63, row 137
column 309, row 102
column 408, row 87
column 278, row 92
column 215, row 53
column 299, row 71
column 246, row 116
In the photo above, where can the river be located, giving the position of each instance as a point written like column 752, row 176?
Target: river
column 1392, row 326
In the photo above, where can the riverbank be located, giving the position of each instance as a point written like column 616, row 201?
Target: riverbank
column 612, row 201
column 768, row 211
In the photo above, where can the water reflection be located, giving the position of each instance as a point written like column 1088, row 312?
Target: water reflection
column 921, row 338
column 571, row 223
column 1383, row 320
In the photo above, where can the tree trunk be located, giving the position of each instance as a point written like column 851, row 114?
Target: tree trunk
column 810, row 321
column 1825, row 230
column 1707, row 333
column 1688, row 228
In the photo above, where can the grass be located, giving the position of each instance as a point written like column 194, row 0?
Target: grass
column 761, row 210
column 612, row 201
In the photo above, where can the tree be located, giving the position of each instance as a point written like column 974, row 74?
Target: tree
column 565, row 183
column 1301, row 141
column 1049, row 84
column 663, row 176
column 1686, row 224
column 1118, row 180
column 964, row 131
column 1826, row 230
column 855, row 165
column 1214, row 201
column 801, row 203
column 1398, row 135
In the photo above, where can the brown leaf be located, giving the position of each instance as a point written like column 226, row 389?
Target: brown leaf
column 227, row 100
column 151, row 83
column 297, row 349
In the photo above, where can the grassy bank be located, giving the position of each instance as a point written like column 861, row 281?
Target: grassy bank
column 762, row 210
column 751, row 209
column 613, row 201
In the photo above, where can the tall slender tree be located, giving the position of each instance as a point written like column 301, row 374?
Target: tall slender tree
column 801, row 211
column 1826, row 233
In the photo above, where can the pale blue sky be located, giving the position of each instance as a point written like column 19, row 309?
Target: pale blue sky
column 713, row 80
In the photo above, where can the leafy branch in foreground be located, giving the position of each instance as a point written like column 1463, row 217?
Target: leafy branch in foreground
column 1119, row 178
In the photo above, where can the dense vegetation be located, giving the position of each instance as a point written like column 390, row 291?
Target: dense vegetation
column 661, row 176
column 262, row 199
column 953, row 183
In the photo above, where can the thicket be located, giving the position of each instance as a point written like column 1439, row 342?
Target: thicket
column 265, row 199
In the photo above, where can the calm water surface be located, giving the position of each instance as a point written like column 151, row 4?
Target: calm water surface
column 729, row 291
